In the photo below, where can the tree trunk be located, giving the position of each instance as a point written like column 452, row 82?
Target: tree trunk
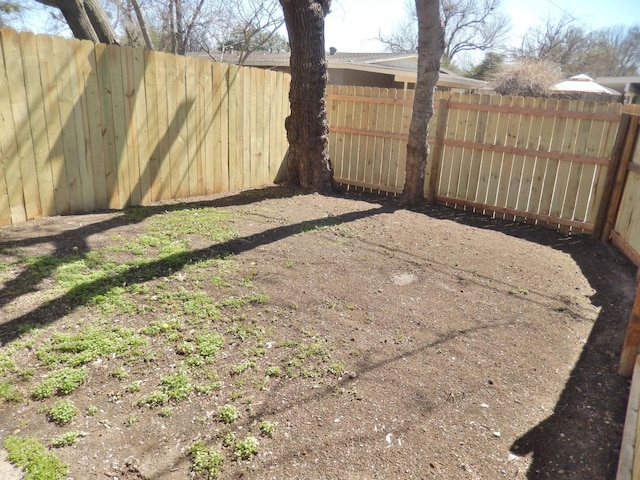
column 430, row 48
column 86, row 19
column 142, row 24
column 307, row 128
column 100, row 22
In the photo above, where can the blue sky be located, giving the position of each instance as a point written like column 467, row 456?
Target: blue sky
column 353, row 24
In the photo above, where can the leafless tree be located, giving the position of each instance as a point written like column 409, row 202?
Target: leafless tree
column 613, row 51
column 607, row 52
column 556, row 40
column 469, row 25
column 256, row 23
column 214, row 26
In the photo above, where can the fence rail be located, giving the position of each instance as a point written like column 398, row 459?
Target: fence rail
column 85, row 127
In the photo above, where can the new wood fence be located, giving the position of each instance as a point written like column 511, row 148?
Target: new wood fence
column 86, row 127
column 535, row 159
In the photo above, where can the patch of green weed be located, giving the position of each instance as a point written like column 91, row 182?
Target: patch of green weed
column 66, row 439
column 267, row 428
column 206, row 461
column 37, row 463
column 90, row 343
column 228, row 413
column 9, row 393
column 6, row 363
column 177, row 386
column 62, row 412
column 92, row 410
column 242, row 367
column 246, row 447
column 60, row 382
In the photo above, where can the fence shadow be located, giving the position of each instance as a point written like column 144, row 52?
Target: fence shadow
column 584, row 431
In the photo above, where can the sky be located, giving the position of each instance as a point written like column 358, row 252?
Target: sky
column 353, row 25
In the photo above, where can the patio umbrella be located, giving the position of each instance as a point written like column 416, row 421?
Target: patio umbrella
column 583, row 84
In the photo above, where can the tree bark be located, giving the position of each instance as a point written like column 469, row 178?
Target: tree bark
column 86, row 19
column 100, row 22
column 430, row 49
column 309, row 165
column 142, row 24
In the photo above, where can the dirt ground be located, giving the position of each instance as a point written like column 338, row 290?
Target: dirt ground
column 473, row 348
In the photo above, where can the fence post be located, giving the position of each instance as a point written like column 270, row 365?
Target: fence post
column 631, row 339
column 616, row 177
column 436, row 158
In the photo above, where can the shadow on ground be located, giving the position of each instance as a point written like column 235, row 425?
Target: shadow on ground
column 585, row 428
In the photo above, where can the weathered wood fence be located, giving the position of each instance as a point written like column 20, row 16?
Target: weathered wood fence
column 86, row 127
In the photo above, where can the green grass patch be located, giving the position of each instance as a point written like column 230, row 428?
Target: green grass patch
column 60, row 382
column 37, row 462
column 62, row 412
column 239, row 302
column 206, row 461
column 66, row 439
column 90, row 343
column 246, row 448
column 176, row 388
column 228, row 413
column 9, row 393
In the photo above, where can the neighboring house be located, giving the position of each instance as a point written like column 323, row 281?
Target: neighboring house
column 629, row 86
column 384, row 70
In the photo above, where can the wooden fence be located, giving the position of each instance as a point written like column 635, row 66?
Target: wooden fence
column 536, row 159
column 86, row 127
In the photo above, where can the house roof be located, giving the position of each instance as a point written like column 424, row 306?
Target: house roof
column 629, row 84
column 403, row 67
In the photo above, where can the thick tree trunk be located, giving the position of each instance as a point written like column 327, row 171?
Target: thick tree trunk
column 86, row 19
column 430, row 48
column 307, row 128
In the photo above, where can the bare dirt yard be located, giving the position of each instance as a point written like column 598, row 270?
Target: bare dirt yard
column 273, row 335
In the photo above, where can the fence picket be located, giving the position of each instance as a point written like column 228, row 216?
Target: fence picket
column 153, row 132
column 21, row 160
column 537, row 142
column 508, row 180
column 35, row 106
column 564, row 167
column 132, row 144
column 191, row 148
column 468, row 134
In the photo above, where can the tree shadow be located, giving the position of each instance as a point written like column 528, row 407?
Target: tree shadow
column 581, row 438
column 51, row 311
